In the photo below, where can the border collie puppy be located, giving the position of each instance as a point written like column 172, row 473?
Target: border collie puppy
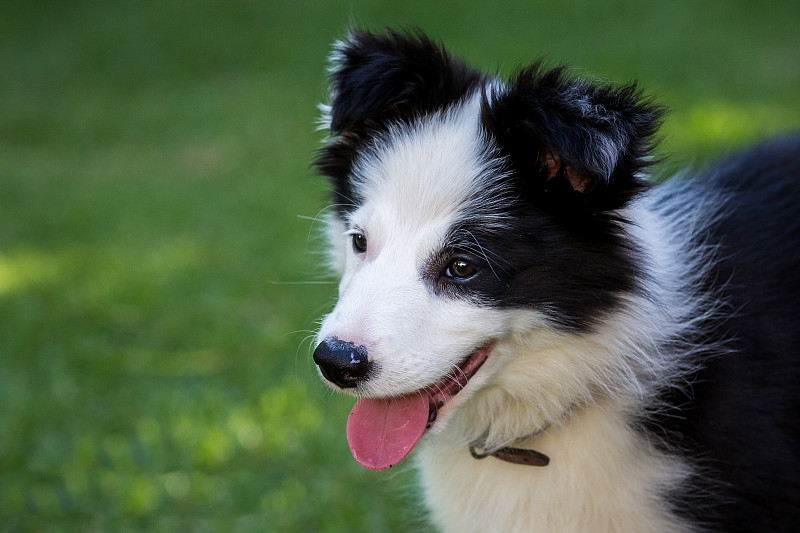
column 568, row 347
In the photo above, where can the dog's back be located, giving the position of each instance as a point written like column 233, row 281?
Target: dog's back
column 739, row 419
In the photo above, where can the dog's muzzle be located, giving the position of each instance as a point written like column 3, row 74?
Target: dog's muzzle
column 342, row 363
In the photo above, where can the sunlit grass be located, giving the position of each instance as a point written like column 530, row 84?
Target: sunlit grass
column 26, row 268
column 156, row 237
column 711, row 126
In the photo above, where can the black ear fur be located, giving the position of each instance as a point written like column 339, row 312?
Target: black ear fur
column 574, row 143
column 378, row 79
column 392, row 76
column 575, row 146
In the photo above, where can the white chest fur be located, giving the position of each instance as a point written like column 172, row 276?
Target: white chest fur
column 603, row 477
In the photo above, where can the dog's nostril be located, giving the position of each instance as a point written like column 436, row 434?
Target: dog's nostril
column 342, row 363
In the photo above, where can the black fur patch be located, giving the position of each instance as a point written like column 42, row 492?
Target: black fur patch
column 740, row 417
column 602, row 132
column 383, row 79
column 392, row 77
column 573, row 277
column 566, row 251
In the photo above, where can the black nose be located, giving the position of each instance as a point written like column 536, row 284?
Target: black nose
column 341, row 362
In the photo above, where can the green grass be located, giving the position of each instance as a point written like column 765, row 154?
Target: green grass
column 153, row 163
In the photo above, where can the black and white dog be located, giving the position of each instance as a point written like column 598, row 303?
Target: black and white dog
column 573, row 348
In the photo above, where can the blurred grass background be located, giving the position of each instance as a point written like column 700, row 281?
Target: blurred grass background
column 153, row 163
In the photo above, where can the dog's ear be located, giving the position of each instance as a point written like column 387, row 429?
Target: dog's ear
column 573, row 143
column 376, row 77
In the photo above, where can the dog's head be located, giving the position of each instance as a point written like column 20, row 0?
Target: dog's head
column 470, row 215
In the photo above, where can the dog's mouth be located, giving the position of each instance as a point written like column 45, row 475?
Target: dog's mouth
column 382, row 431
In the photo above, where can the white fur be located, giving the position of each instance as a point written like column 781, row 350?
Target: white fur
column 413, row 187
column 572, row 397
column 579, row 396
column 603, row 478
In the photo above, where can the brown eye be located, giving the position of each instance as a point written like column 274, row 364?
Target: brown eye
column 359, row 243
column 460, row 269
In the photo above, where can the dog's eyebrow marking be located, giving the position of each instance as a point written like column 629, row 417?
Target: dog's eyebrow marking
column 353, row 360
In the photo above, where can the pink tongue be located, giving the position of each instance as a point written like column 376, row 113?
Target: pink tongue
column 381, row 432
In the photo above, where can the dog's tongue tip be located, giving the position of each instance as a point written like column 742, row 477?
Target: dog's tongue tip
column 382, row 431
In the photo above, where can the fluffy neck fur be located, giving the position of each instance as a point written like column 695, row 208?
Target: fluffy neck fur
column 603, row 477
column 581, row 399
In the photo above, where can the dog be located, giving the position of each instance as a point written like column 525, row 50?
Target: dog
column 567, row 345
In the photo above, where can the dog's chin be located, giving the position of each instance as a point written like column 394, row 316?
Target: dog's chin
column 381, row 431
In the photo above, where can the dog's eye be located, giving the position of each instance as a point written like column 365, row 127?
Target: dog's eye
column 460, row 269
column 359, row 243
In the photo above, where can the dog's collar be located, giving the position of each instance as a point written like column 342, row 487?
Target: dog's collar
column 520, row 456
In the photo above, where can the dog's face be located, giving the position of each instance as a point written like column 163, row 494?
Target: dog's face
column 470, row 216
column 412, row 274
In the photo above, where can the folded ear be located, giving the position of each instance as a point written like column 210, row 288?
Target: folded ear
column 573, row 142
column 375, row 77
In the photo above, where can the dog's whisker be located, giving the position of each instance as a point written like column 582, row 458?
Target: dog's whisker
column 483, row 253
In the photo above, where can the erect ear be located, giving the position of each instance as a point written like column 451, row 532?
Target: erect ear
column 392, row 76
column 573, row 142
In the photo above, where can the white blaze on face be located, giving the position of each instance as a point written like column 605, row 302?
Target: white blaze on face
column 413, row 185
